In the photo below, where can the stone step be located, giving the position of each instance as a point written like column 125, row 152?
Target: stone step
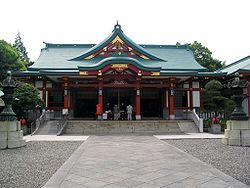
column 50, row 128
column 188, row 127
column 122, row 127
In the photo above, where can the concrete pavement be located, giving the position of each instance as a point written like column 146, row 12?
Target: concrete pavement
column 136, row 161
column 190, row 136
column 29, row 138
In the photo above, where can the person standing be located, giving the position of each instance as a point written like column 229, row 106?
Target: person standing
column 23, row 125
column 116, row 112
column 129, row 112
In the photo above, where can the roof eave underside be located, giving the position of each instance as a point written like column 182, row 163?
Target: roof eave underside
column 162, row 73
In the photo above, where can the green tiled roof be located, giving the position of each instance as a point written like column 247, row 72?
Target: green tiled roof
column 68, row 57
column 180, row 58
column 240, row 65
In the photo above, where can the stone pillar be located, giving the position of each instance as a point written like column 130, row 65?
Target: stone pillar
column 138, row 105
column 171, row 104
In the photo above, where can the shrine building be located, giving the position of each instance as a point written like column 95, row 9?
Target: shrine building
column 159, row 81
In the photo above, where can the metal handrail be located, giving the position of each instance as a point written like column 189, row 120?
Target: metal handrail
column 197, row 120
column 61, row 125
column 37, row 123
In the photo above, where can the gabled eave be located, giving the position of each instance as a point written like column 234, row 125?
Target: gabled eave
column 127, row 60
column 117, row 32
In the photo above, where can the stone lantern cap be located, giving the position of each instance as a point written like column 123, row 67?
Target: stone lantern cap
column 8, row 81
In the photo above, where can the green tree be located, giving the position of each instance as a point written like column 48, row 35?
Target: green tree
column 204, row 57
column 214, row 100
column 28, row 98
column 21, row 49
column 9, row 59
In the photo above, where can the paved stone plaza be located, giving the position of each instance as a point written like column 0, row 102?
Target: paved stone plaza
column 136, row 161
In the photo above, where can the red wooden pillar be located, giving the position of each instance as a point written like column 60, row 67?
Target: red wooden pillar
column 66, row 93
column 100, row 97
column 66, row 103
column 100, row 92
column 138, row 97
column 164, row 106
column 171, row 104
column 45, row 93
column 66, row 99
column 138, row 105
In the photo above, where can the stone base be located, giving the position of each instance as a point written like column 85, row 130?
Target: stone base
column 215, row 129
column 3, row 144
column 171, row 116
column 99, row 117
column 11, row 135
column 238, row 125
column 16, row 143
column 237, row 133
column 225, row 141
column 138, row 117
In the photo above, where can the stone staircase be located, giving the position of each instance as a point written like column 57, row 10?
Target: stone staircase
column 123, row 127
column 49, row 128
column 188, row 126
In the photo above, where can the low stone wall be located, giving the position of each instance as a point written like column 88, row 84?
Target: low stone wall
column 122, row 127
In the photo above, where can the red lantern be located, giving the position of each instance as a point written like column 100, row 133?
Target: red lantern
column 98, row 109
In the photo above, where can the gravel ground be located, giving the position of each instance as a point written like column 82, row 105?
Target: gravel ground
column 33, row 165
column 232, row 160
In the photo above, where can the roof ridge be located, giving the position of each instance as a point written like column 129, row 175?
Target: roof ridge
column 48, row 44
column 64, row 44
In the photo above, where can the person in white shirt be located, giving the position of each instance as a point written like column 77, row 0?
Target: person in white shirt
column 129, row 112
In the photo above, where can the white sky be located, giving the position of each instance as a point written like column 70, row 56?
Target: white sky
column 221, row 25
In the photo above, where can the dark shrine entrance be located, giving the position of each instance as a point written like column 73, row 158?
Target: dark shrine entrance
column 85, row 103
column 118, row 96
column 151, row 103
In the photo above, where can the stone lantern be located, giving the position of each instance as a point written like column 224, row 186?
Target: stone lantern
column 11, row 135
column 238, row 128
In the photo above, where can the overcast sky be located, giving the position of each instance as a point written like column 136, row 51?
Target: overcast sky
column 221, row 25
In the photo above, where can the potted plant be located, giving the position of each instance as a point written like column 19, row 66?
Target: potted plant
column 215, row 126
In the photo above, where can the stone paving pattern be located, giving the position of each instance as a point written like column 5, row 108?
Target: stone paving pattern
column 136, row 161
